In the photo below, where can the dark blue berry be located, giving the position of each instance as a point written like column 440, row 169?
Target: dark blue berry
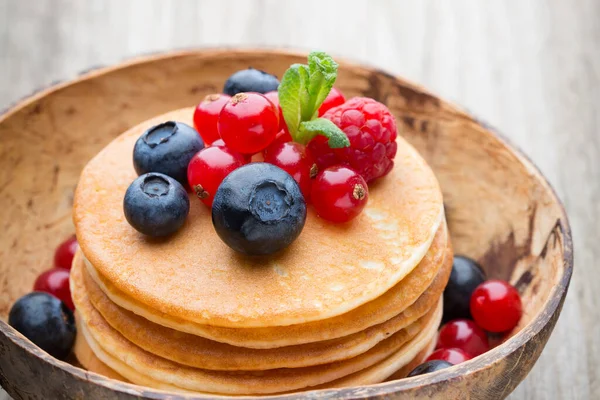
column 46, row 321
column 167, row 148
column 250, row 80
column 466, row 275
column 429, row 366
column 258, row 209
column 156, row 204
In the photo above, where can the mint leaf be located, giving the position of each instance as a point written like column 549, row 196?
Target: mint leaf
column 321, row 126
column 302, row 90
column 323, row 72
column 293, row 96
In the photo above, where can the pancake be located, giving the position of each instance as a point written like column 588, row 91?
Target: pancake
column 392, row 302
column 88, row 359
column 192, row 275
column 111, row 342
column 199, row 352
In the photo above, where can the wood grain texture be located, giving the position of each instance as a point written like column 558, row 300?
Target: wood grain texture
column 532, row 69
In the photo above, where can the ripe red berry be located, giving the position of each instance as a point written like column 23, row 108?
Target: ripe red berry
column 220, row 143
column 371, row 129
column 56, row 282
column 496, row 306
column 339, row 194
column 463, row 334
column 274, row 97
column 209, row 167
column 333, row 99
column 63, row 256
column 453, row 356
column 206, row 116
column 293, row 158
column 248, row 123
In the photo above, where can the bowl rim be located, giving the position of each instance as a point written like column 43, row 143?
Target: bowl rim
column 551, row 307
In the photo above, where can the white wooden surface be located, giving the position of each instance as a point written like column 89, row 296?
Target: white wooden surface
column 531, row 68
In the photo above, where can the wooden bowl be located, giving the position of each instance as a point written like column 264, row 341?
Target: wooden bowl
column 500, row 209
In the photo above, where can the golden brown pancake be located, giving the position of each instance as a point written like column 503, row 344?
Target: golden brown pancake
column 395, row 300
column 99, row 332
column 199, row 352
column 329, row 270
column 92, row 363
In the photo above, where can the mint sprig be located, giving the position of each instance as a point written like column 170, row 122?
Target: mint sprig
column 302, row 90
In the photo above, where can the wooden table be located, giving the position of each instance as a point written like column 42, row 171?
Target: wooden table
column 531, row 68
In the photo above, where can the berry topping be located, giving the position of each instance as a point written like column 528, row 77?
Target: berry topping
column 209, row 167
column 206, row 116
column 295, row 160
column 56, row 282
column 371, row 129
column 496, row 306
column 63, row 256
column 466, row 275
column 463, row 334
column 258, row 209
column 46, row 321
column 333, row 99
column 156, row 204
column 339, row 194
column 428, row 367
column 453, row 356
column 250, row 80
column 274, row 97
column 248, row 123
column 167, row 148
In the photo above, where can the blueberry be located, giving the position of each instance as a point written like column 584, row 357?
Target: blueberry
column 250, row 80
column 167, row 148
column 46, row 321
column 258, row 209
column 466, row 275
column 156, row 204
column 429, row 366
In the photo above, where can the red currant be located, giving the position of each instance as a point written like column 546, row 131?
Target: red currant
column 339, row 194
column 463, row 334
column 274, row 97
column 248, row 123
column 56, row 282
column 496, row 306
column 453, row 356
column 63, row 256
column 209, row 167
column 293, row 158
column 282, row 137
column 333, row 99
column 220, row 143
column 206, row 116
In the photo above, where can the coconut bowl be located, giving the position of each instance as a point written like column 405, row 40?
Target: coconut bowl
column 501, row 210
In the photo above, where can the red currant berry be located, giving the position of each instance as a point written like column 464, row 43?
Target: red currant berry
column 209, row 167
column 282, row 137
column 274, row 97
column 333, row 99
column 339, row 194
column 206, row 116
column 220, row 143
column 496, row 306
column 248, row 123
column 63, row 256
column 293, row 158
column 465, row 335
column 56, row 282
column 453, row 356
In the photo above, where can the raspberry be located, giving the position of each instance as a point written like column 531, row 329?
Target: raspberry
column 371, row 129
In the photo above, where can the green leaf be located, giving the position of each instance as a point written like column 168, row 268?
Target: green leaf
column 323, row 72
column 293, row 96
column 321, row 126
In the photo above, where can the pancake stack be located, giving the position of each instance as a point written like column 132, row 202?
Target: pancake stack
column 344, row 305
